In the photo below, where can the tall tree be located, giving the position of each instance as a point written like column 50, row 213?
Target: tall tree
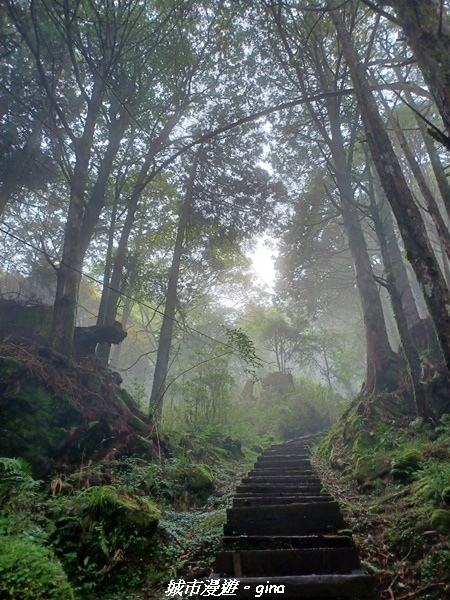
column 426, row 26
column 407, row 214
column 314, row 69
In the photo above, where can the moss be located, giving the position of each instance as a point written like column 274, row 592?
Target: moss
column 440, row 520
column 363, row 441
column 9, row 367
column 370, row 468
column 119, row 510
column 91, row 381
column 403, row 466
column 35, row 424
column 214, row 521
column 197, row 479
column 445, row 495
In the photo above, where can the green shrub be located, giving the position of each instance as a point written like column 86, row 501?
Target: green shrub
column 29, row 571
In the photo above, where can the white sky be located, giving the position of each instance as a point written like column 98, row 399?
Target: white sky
column 263, row 266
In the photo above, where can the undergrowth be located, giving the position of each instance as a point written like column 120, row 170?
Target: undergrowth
column 116, row 528
column 400, row 509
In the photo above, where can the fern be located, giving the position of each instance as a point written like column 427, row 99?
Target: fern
column 16, row 481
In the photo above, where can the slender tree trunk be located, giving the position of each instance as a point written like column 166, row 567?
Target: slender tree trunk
column 421, row 329
column 398, row 266
column 438, row 169
column 97, row 200
column 165, row 335
column 407, row 214
column 430, row 202
column 427, row 30
column 411, row 354
column 111, row 293
column 382, row 363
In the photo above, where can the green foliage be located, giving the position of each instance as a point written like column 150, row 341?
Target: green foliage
column 16, row 480
column 197, row 478
column 99, row 529
column 245, row 348
column 432, row 481
column 436, row 566
column 406, row 464
column 310, row 407
column 29, row 571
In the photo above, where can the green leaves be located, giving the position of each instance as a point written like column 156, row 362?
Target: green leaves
column 245, row 348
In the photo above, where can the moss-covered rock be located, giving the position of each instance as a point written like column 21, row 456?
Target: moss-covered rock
column 117, row 510
column 445, row 495
column 403, row 466
column 30, row 572
column 370, row 468
column 440, row 520
column 197, row 479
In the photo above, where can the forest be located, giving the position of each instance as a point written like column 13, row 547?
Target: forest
column 150, row 151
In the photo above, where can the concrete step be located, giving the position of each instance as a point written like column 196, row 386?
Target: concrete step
column 280, row 479
column 268, row 500
column 309, row 489
column 310, row 561
column 283, row 471
column 286, row 542
column 312, row 587
column 286, row 519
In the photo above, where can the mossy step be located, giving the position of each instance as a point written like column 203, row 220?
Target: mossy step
column 310, row 561
column 312, row 587
column 266, row 500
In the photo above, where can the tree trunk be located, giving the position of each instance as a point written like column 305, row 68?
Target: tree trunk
column 430, row 202
column 382, row 368
column 165, row 335
column 411, row 353
column 69, row 271
column 111, row 292
column 435, row 161
column 407, row 214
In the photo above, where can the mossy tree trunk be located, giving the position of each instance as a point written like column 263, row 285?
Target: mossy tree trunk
column 407, row 214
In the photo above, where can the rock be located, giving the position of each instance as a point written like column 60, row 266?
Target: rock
column 197, row 479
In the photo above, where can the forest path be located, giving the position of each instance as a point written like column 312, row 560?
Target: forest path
column 285, row 535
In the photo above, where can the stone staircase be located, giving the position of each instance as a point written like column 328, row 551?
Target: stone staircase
column 285, row 536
